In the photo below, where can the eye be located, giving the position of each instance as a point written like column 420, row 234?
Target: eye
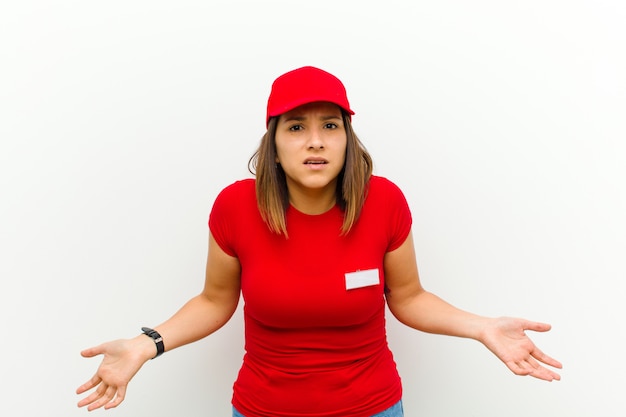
column 295, row 128
column 330, row 125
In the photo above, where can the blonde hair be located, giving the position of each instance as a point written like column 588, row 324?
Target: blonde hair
column 271, row 184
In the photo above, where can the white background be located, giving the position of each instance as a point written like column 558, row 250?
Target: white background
column 503, row 122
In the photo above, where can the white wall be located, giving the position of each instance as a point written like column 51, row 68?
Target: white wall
column 503, row 122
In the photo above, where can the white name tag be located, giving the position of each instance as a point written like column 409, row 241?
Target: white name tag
column 360, row 279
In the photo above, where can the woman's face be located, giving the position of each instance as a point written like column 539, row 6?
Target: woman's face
column 311, row 147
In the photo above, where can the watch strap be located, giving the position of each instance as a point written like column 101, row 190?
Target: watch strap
column 158, row 340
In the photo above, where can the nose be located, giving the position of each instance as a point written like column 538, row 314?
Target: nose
column 315, row 139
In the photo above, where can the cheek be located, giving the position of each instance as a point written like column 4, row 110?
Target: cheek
column 280, row 154
column 287, row 151
column 279, row 150
column 344, row 152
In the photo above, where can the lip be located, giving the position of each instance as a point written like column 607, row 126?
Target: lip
column 315, row 163
column 315, row 160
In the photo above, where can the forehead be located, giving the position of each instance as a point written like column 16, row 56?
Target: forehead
column 324, row 109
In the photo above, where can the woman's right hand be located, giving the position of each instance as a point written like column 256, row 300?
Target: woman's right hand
column 122, row 359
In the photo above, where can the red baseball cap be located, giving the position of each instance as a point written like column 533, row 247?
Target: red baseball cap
column 305, row 85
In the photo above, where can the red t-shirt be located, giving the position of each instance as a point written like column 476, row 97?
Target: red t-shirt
column 315, row 333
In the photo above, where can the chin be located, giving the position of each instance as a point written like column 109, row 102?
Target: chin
column 317, row 184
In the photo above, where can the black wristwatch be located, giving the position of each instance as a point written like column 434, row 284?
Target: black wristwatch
column 158, row 340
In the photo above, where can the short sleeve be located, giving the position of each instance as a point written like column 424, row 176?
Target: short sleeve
column 399, row 216
column 222, row 219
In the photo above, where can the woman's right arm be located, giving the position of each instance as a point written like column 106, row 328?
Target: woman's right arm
column 198, row 318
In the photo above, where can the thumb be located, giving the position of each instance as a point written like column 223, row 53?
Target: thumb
column 537, row 326
column 92, row 351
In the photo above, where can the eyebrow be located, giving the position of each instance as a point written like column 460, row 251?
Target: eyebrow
column 302, row 118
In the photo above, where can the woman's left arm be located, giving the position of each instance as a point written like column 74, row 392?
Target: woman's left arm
column 415, row 307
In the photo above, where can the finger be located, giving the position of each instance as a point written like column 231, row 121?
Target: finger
column 542, row 357
column 540, row 372
column 545, row 374
column 95, row 380
column 89, row 399
column 106, row 397
column 119, row 397
column 518, row 368
column 94, row 396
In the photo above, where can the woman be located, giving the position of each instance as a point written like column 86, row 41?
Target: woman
column 317, row 245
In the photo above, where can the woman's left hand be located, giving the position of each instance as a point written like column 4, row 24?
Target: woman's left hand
column 506, row 338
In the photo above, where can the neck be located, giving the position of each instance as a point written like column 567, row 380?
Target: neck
column 312, row 201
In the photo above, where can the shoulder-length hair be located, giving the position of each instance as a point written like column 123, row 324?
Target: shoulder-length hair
column 271, row 184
